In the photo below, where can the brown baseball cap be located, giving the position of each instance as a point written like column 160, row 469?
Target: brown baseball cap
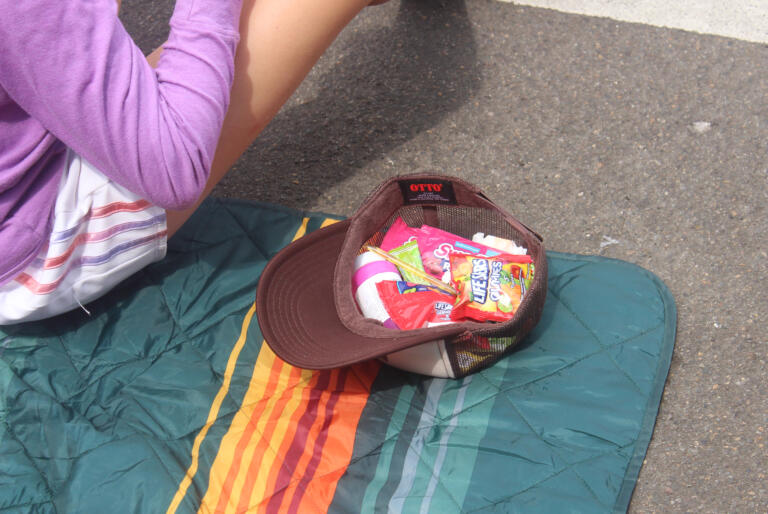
column 307, row 310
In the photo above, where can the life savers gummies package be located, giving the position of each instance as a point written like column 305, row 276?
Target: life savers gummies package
column 489, row 288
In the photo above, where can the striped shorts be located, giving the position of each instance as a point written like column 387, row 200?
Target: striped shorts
column 102, row 233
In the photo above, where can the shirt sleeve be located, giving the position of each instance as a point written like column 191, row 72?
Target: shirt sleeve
column 71, row 65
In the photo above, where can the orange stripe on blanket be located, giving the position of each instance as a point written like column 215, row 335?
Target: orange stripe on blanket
column 277, row 428
column 326, row 452
column 223, row 390
column 245, row 437
column 291, row 430
column 250, row 431
column 293, row 433
column 258, row 479
column 304, row 443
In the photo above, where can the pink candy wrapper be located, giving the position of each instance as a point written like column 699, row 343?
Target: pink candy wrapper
column 435, row 246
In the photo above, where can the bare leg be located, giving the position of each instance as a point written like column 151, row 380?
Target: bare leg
column 280, row 41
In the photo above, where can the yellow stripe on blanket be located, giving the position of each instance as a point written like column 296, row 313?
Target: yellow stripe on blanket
column 216, row 405
column 212, row 413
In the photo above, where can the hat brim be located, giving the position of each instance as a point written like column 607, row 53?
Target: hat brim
column 297, row 312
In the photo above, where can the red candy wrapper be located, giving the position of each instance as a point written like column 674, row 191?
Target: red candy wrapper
column 415, row 305
column 489, row 288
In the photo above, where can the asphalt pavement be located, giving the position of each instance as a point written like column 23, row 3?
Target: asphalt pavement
column 626, row 140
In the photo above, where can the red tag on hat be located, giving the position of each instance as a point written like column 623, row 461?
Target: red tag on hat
column 420, row 191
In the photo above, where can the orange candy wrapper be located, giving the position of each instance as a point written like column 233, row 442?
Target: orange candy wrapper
column 489, row 288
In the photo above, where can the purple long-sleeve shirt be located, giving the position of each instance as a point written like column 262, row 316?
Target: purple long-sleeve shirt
column 70, row 76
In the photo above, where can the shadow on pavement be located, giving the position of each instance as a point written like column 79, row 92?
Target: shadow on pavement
column 387, row 85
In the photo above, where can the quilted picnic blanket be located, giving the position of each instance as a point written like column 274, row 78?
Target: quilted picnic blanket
column 164, row 398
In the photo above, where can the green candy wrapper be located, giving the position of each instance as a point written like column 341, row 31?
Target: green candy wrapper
column 409, row 253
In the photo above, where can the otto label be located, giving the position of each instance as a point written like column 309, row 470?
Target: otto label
column 428, row 191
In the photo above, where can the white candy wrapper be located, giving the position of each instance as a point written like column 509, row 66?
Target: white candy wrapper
column 369, row 270
column 497, row 243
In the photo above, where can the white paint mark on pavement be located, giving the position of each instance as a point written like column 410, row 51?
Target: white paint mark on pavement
column 740, row 19
column 701, row 126
column 608, row 241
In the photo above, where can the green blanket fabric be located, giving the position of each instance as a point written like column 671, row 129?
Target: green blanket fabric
column 165, row 398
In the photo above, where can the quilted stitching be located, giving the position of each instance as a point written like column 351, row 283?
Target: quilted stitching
column 75, row 395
